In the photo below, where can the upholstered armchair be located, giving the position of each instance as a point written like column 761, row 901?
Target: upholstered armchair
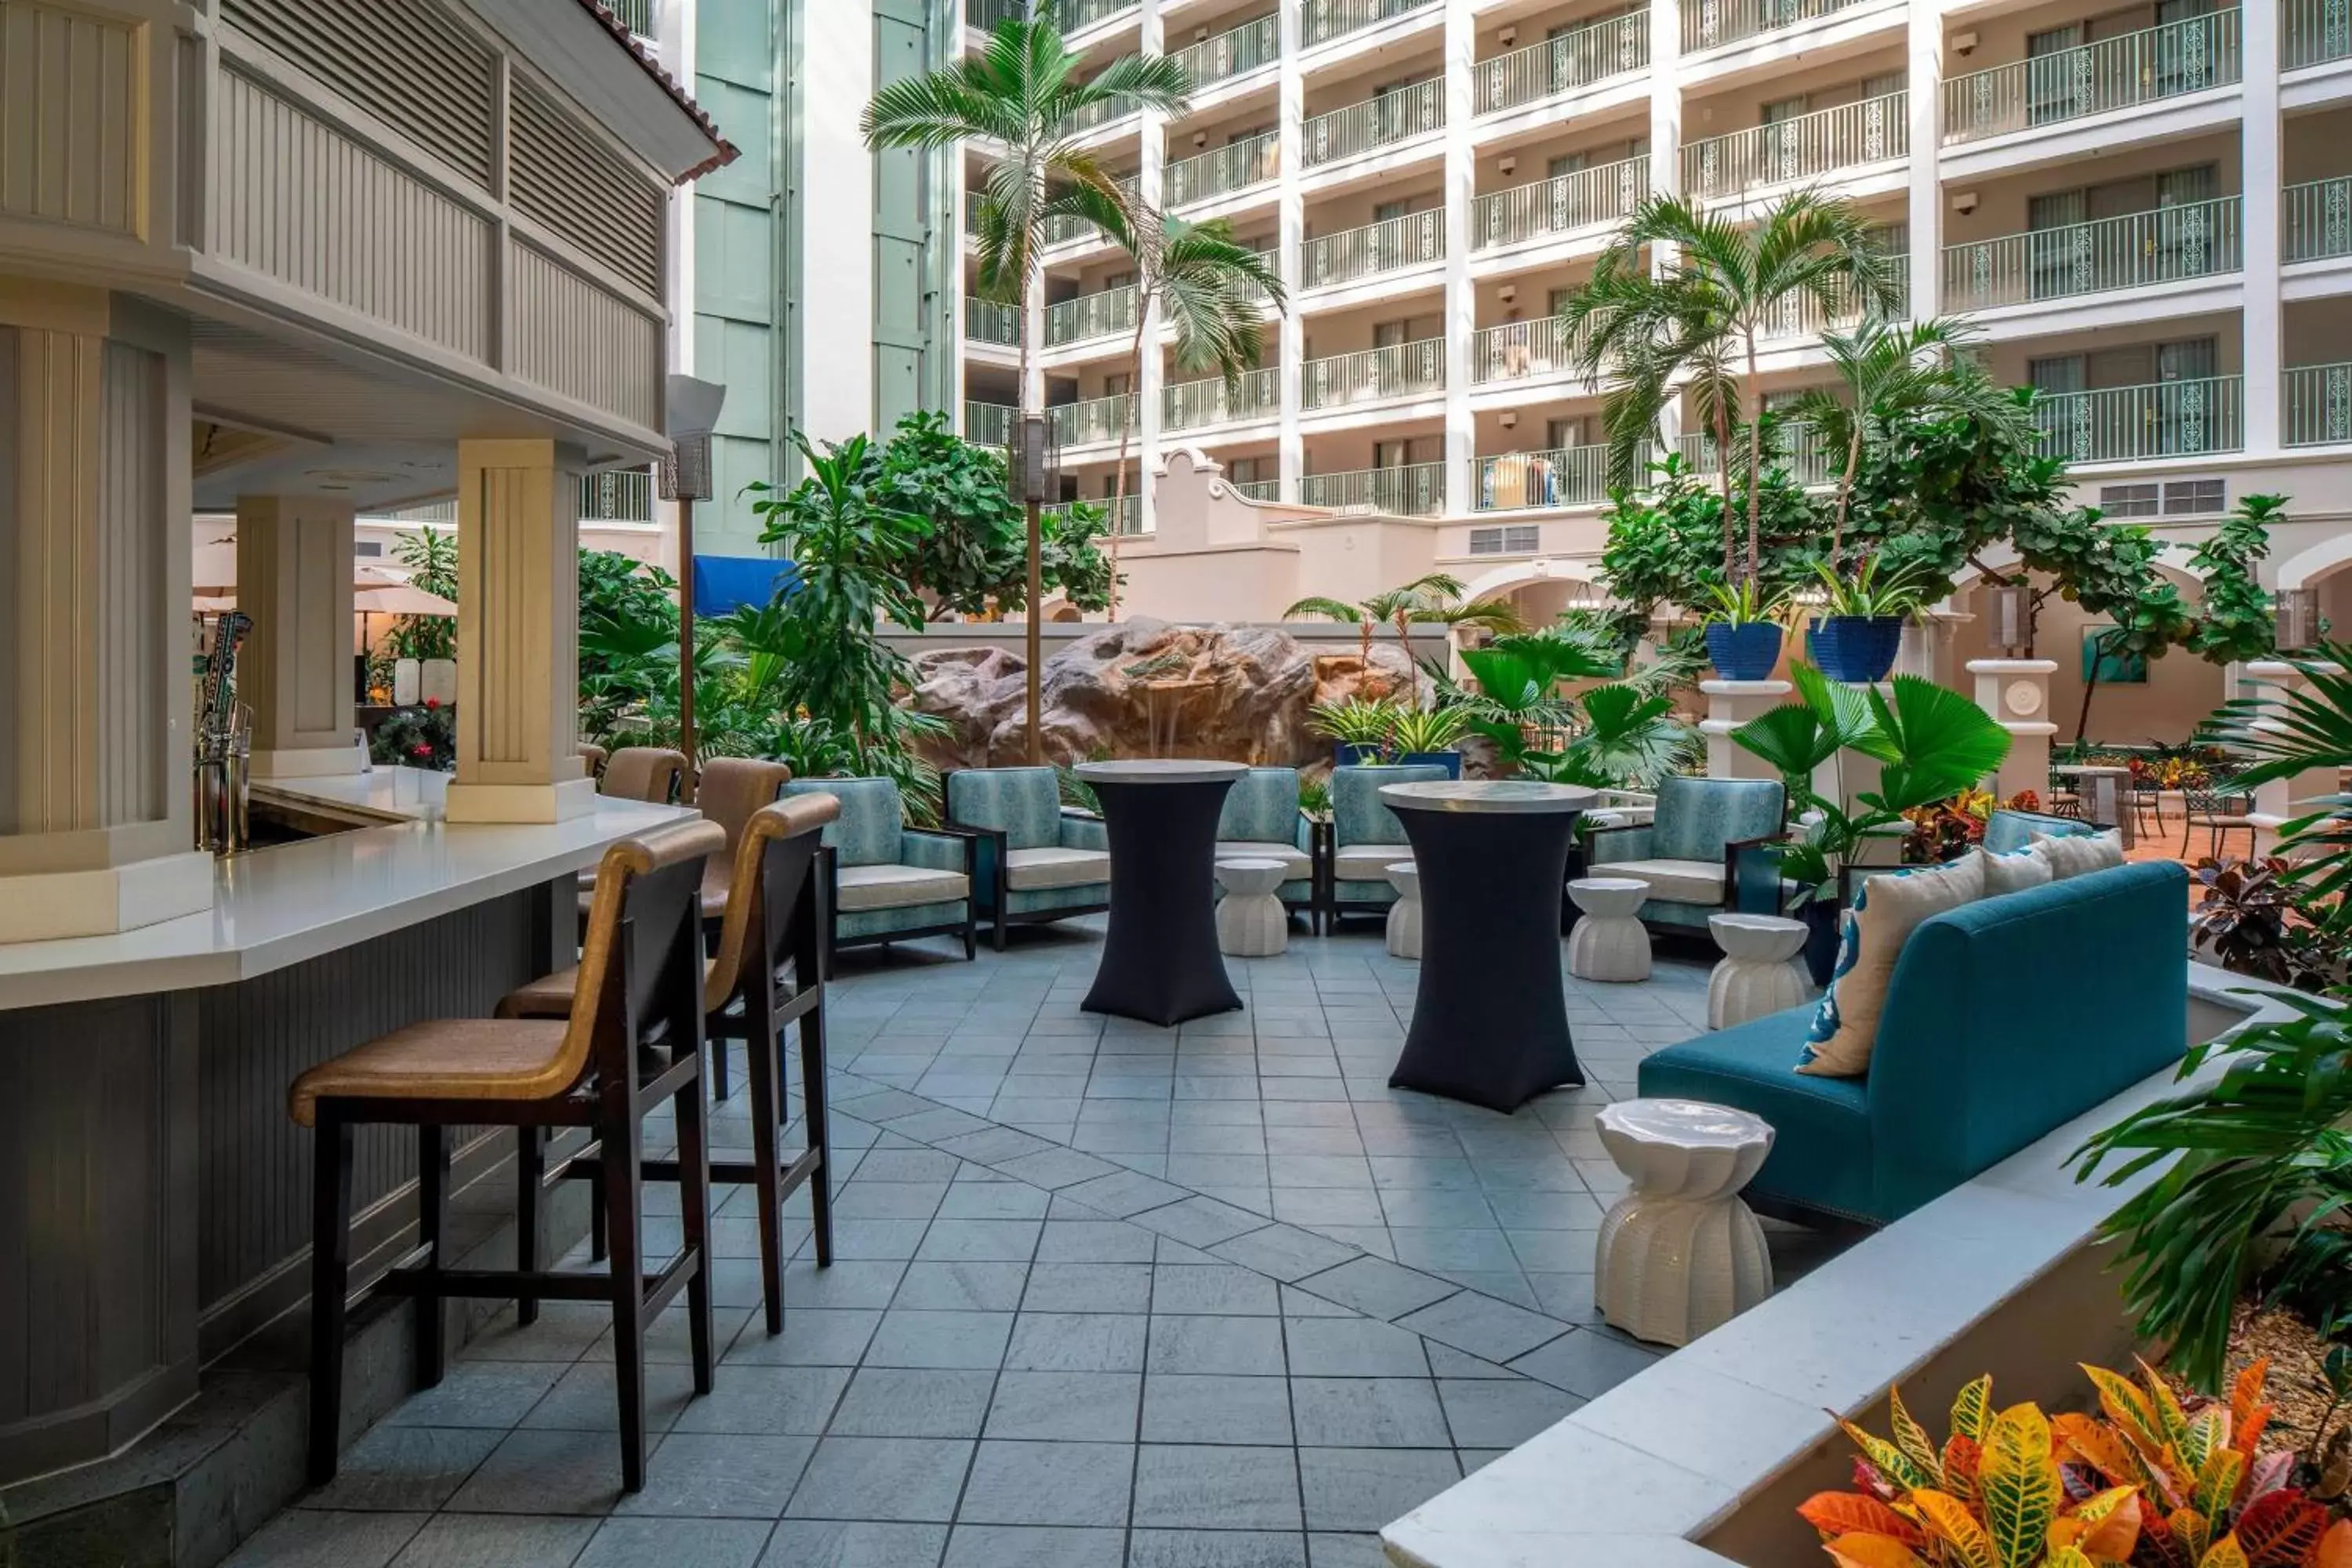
column 1366, row 838
column 2007, row 831
column 1701, row 852
column 1261, row 821
column 891, row 882
column 1037, row 862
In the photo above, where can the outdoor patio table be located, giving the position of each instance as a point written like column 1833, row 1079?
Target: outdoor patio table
column 1159, row 961
column 1490, row 1019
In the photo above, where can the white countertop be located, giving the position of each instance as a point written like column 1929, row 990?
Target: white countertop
column 1159, row 770
column 1496, row 795
column 282, row 905
column 414, row 794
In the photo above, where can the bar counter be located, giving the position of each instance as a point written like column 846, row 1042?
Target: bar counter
column 153, row 1194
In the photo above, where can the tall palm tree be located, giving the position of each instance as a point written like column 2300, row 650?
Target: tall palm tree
column 1694, row 320
column 1432, row 600
column 1206, row 283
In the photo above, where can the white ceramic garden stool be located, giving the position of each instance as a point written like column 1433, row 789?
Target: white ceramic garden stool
column 1251, row 921
column 1760, row 973
column 1680, row 1254
column 1405, row 915
column 1608, row 943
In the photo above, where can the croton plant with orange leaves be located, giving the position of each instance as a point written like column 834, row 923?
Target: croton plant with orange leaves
column 2149, row 1482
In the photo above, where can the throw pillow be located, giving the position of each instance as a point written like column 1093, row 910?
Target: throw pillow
column 2015, row 871
column 2072, row 854
column 1885, row 910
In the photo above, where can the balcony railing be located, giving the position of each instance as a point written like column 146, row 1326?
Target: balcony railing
column 1569, row 476
column 2112, row 73
column 1232, row 53
column 2317, row 220
column 1709, row 23
column 1095, row 419
column 1194, row 405
column 1376, row 123
column 1417, row 489
column 1061, row 230
column 1803, row 148
column 1121, row 514
column 621, row 495
column 1102, row 111
column 2317, row 404
column 1077, row 14
column 1258, row 489
column 1223, row 170
column 1797, row 446
column 1090, row 316
column 1377, row 247
column 2316, row 31
column 1516, row 351
column 1575, row 59
column 1329, row 19
column 1595, row 196
column 989, row 424
column 1803, row 316
column 2161, row 419
column 985, row 14
column 1399, row 369
column 988, row 322
column 2194, row 239
column 637, row 16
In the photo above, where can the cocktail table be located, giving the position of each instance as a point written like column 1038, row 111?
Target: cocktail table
column 1160, row 962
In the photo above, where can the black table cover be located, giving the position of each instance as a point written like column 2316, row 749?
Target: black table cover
column 1159, row 961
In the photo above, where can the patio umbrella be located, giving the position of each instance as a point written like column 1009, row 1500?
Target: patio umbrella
column 376, row 592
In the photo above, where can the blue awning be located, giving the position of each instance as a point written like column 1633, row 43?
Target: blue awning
column 724, row 583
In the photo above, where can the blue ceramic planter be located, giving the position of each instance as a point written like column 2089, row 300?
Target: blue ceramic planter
column 1348, row 753
column 1450, row 761
column 1858, row 650
column 1745, row 652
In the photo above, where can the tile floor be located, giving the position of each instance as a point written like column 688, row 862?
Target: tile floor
column 1104, row 1296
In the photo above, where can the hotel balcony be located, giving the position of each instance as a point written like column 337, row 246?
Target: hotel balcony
column 2314, row 32
column 1089, row 316
column 1589, row 199
column 1517, row 481
column 1232, row 54
column 2165, row 245
column 1714, row 24
column 1543, row 73
column 989, row 424
column 2185, row 418
column 1414, row 110
column 1797, row 448
column 1414, row 489
column 1375, row 375
column 1078, row 15
column 1200, row 405
column 1094, row 419
column 1121, row 514
column 2315, row 221
column 1807, row 147
column 1524, row 350
column 1390, row 246
column 2122, row 72
column 1223, row 171
column 2315, row 404
column 988, row 322
column 1326, row 20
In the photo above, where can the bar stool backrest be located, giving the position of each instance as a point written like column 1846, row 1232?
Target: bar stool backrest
column 728, row 790
column 641, row 966
column 641, row 773
column 769, row 906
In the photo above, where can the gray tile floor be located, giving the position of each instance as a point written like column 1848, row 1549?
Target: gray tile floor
column 1105, row 1296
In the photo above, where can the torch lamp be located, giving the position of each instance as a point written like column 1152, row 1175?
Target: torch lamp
column 2008, row 612
column 2296, row 613
column 1036, row 480
column 684, row 477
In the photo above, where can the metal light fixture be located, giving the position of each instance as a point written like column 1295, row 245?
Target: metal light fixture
column 683, row 476
column 1036, row 480
column 2296, row 613
column 2009, row 610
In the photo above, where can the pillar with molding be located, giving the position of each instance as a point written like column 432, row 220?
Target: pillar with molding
column 96, row 817
column 1730, row 704
column 294, row 560
column 517, row 635
column 2016, row 693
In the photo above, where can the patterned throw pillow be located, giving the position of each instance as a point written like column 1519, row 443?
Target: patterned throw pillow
column 2072, row 854
column 2016, row 871
column 1886, row 910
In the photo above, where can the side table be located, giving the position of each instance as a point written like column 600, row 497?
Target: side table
column 1251, row 921
column 1609, row 942
column 1680, row 1254
column 1405, row 915
column 1760, row 973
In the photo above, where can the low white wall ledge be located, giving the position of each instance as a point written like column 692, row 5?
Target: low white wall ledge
column 1745, row 688
column 2012, row 667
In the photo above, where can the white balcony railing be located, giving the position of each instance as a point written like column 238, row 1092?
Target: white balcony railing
column 2120, row 72
column 2316, row 31
column 1325, row 20
column 2317, row 221
column 1223, row 170
column 1569, row 476
column 1399, row 370
column 985, row 14
column 1710, row 24
column 1195, row 404
column 1614, row 47
column 1089, row 316
column 989, row 424
column 1796, row 446
column 1519, row 350
column 2193, row 240
column 2162, row 419
column 1077, row 14
column 1383, row 246
column 1258, row 489
column 617, row 495
column 990, row 322
column 1121, row 514
column 1587, row 196
column 1235, row 52
column 1392, row 117
column 1804, row 148
column 1417, row 489
column 2316, row 404
column 1095, row 419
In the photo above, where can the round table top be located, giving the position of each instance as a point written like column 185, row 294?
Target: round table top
column 1685, row 1124
column 1513, row 796
column 1161, row 770
column 1248, row 863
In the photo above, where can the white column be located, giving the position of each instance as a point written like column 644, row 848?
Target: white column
column 1730, row 704
column 1290, row 101
column 96, row 825
column 2262, row 182
column 294, row 578
column 1927, row 89
column 517, row 635
column 2016, row 693
column 1032, row 390
column 1150, row 182
column 1461, row 309
column 835, row 288
column 1666, row 149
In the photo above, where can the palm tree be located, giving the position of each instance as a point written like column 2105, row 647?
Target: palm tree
column 1432, row 600
column 1207, row 283
column 1694, row 320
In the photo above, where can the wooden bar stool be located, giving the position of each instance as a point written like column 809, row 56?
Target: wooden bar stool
column 604, row 1069
column 726, row 791
column 641, row 773
column 776, row 916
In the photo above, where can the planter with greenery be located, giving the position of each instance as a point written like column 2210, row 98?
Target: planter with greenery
column 1619, row 735
column 1743, row 629
column 1859, row 634
column 1432, row 600
column 1358, row 727
column 1430, row 735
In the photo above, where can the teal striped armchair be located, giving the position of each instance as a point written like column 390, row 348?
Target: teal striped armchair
column 1261, row 821
column 1366, row 838
column 891, row 882
column 1037, row 862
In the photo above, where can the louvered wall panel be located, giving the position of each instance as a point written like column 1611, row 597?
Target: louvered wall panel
column 582, row 191
column 301, row 201
column 577, row 338
column 70, row 107
column 404, row 62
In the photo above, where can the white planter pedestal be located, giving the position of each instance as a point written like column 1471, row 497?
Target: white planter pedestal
column 1758, row 973
column 1680, row 1254
column 1251, row 921
column 1608, row 943
column 1405, row 915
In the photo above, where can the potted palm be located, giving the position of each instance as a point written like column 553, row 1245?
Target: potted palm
column 1861, row 631
column 1431, row 735
column 1743, row 630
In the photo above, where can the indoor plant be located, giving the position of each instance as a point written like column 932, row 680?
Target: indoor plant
column 1357, row 728
column 1743, row 630
column 1860, row 631
column 1428, row 735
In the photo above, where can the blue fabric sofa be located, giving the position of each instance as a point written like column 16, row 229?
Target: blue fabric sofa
column 891, row 882
column 1366, row 838
column 2005, row 1018
column 2007, row 832
column 1260, row 820
column 1037, row 860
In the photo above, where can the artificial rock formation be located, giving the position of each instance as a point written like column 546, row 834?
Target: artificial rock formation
column 1146, row 689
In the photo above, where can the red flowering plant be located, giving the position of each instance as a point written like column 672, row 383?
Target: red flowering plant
column 424, row 736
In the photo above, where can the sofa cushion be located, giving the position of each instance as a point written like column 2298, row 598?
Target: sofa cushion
column 1023, row 804
column 1676, row 882
column 1051, row 867
column 1261, row 806
column 2075, row 853
column 1885, row 911
column 1821, row 1145
column 2015, row 871
column 1697, row 817
column 1368, row 862
column 897, row 886
column 1295, row 865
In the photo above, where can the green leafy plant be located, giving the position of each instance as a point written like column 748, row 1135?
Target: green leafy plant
column 1432, row 600
column 1421, row 730
column 1356, row 720
column 424, row 736
column 1745, row 602
column 1865, row 592
column 430, row 556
